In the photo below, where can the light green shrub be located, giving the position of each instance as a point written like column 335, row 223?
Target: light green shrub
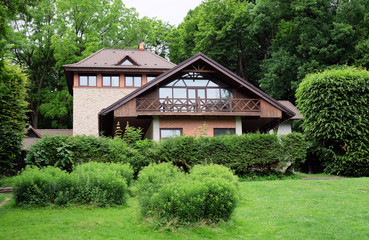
column 209, row 193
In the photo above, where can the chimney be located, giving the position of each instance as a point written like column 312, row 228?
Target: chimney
column 141, row 47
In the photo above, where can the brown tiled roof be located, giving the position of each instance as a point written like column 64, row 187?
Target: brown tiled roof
column 27, row 142
column 111, row 58
column 290, row 106
column 184, row 64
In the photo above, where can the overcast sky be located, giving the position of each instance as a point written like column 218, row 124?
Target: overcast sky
column 172, row 11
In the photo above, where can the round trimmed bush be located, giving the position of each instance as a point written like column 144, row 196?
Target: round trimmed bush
column 335, row 106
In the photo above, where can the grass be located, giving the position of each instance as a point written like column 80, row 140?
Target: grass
column 289, row 209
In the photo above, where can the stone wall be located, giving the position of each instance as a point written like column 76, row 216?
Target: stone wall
column 88, row 102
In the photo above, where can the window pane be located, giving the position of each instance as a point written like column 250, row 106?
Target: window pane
column 137, row 81
column 92, row 81
column 179, row 93
column 212, row 93
column 106, row 81
column 201, row 93
column 150, row 78
column 196, row 83
column 179, row 83
column 225, row 93
column 126, row 63
column 167, row 133
column 212, row 84
column 115, row 81
column 83, row 80
column 224, row 131
column 165, row 92
column 191, row 93
column 129, row 81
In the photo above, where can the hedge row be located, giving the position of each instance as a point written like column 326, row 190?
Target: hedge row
column 208, row 193
column 90, row 183
column 262, row 153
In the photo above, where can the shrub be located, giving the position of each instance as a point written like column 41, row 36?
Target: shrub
column 335, row 105
column 92, row 183
column 40, row 186
column 100, row 184
column 150, row 180
column 208, row 193
column 294, row 149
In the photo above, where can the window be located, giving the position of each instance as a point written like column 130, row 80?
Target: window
column 133, row 81
column 150, row 78
column 224, row 131
column 170, row 132
column 127, row 63
column 87, row 81
column 110, row 81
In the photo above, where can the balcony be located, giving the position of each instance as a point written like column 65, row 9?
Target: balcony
column 197, row 106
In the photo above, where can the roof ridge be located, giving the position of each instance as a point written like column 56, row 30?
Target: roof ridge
column 85, row 59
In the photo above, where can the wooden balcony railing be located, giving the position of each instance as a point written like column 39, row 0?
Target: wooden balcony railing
column 197, row 105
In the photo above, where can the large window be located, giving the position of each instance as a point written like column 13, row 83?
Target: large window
column 224, row 131
column 195, row 85
column 110, row 81
column 87, row 80
column 149, row 78
column 133, row 81
column 170, row 132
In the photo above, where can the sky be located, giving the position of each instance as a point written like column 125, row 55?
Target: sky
column 172, row 11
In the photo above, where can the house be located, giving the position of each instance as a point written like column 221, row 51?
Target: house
column 164, row 99
column 34, row 135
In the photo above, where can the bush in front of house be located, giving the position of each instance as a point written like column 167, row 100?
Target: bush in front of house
column 209, row 193
column 335, row 106
column 93, row 183
column 254, row 153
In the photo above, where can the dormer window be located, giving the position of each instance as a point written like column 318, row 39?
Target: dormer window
column 127, row 63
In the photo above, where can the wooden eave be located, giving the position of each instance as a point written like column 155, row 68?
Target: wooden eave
column 180, row 67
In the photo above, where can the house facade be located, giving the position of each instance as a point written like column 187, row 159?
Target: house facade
column 197, row 96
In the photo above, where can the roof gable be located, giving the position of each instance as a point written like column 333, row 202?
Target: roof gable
column 193, row 63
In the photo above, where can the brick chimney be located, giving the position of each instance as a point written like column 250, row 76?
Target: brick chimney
column 141, row 47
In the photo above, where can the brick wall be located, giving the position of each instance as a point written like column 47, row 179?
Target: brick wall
column 88, row 102
column 191, row 125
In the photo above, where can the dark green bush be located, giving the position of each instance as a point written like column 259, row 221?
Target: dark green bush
column 294, row 149
column 249, row 153
column 207, row 194
column 91, row 183
column 335, row 106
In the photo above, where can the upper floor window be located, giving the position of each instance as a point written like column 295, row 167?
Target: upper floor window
column 110, row 81
column 196, row 85
column 127, row 63
column 133, row 81
column 150, row 78
column 87, row 80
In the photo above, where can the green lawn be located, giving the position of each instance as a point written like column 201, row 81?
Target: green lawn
column 288, row 209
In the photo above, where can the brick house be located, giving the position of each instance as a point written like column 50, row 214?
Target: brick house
column 165, row 99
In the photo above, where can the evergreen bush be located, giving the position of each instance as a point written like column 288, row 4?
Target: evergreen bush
column 335, row 106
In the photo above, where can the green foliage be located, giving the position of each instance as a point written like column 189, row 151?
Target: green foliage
column 98, row 184
column 294, row 148
column 40, row 186
column 260, row 153
column 208, row 194
column 132, row 135
column 334, row 103
column 12, row 114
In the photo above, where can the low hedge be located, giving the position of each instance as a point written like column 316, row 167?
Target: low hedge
column 99, row 184
column 209, row 193
column 246, row 154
